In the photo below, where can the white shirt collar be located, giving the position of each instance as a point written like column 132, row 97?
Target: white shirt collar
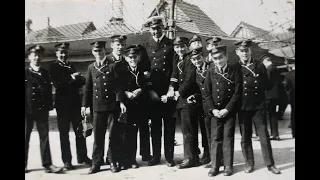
column 35, row 68
column 116, row 56
column 224, row 68
column 156, row 39
column 133, row 69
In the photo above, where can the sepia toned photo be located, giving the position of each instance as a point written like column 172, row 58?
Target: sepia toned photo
column 159, row 89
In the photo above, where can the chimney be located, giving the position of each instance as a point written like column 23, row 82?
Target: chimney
column 48, row 18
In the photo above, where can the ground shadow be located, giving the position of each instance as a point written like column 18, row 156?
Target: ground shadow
column 280, row 155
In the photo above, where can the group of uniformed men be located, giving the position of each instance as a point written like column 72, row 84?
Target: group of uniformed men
column 161, row 80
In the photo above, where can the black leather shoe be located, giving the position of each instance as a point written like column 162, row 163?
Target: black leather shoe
column 134, row 165
column 107, row 162
column 227, row 171
column 248, row 169
column 154, row 161
column 146, row 158
column 68, row 166
column 170, row 163
column 208, row 165
column 205, row 160
column 53, row 169
column 114, row 168
column 213, row 172
column 86, row 161
column 94, row 169
column 186, row 164
column 277, row 138
column 274, row 170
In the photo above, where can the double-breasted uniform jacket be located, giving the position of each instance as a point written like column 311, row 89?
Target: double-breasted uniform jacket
column 67, row 88
column 223, row 90
column 160, row 56
column 200, row 77
column 183, row 79
column 254, row 83
column 38, row 91
column 273, row 91
column 102, row 87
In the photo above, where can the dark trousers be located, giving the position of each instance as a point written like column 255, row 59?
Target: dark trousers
column 144, row 136
column 189, row 126
column 101, row 122
column 162, row 111
column 41, row 119
column 272, row 116
column 259, row 119
column 222, row 140
column 203, row 131
column 293, row 117
column 65, row 117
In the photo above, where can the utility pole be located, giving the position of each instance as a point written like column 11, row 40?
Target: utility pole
column 171, row 21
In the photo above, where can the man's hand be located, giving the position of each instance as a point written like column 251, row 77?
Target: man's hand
column 83, row 111
column 154, row 96
column 129, row 95
column 170, row 92
column 191, row 99
column 137, row 92
column 123, row 107
column 223, row 113
column 215, row 112
column 164, row 98
column 146, row 74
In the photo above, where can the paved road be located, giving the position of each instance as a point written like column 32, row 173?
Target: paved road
column 283, row 151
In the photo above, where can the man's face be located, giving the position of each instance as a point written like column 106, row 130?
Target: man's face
column 98, row 53
column 35, row 58
column 195, row 44
column 197, row 61
column 62, row 55
column 244, row 54
column 132, row 60
column 219, row 59
column 156, row 31
column 118, row 47
column 180, row 49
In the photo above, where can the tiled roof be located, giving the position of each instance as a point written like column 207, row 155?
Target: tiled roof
column 66, row 32
column 116, row 27
column 190, row 18
column 252, row 32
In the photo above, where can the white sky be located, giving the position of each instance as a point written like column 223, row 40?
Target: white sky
column 226, row 13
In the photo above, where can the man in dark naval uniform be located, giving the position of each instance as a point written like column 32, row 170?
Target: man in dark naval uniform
column 211, row 43
column 222, row 91
column 184, row 81
column 68, row 82
column 134, row 84
column 290, row 87
column 102, row 92
column 160, row 54
column 272, row 96
column 253, row 107
column 38, row 103
column 195, row 42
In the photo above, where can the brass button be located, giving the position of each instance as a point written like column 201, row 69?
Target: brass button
column 95, row 84
column 245, row 94
column 153, row 52
column 218, row 89
column 155, row 64
column 164, row 62
column 105, row 90
column 218, row 97
column 245, row 82
column 106, row 96
column 202, row 88
column 217, row 83
column 164, row 69
column 218, row 103
column 245, row 88
column 228, row 82
column 229, row 89
column 104, row 77
column 255, row 93
column 104, row 83
column 96, row 90
column 256, row 87
column 96, row 96
column 154, row 58
column 255, row 81
column 164, row 56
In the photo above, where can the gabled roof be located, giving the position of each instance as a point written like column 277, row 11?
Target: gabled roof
column 189, row 18
column 253, row 32
column 66, row 32
column 115, row 26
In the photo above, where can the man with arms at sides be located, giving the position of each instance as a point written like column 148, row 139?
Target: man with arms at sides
column 160, row 54
column 253, row 107
column 272, row 96
column 103, row 93
column 195, row 42
column 38, row 103
column 222, row 91
column 68, row 82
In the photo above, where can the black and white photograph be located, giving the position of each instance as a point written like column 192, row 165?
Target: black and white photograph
column 160, row 89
